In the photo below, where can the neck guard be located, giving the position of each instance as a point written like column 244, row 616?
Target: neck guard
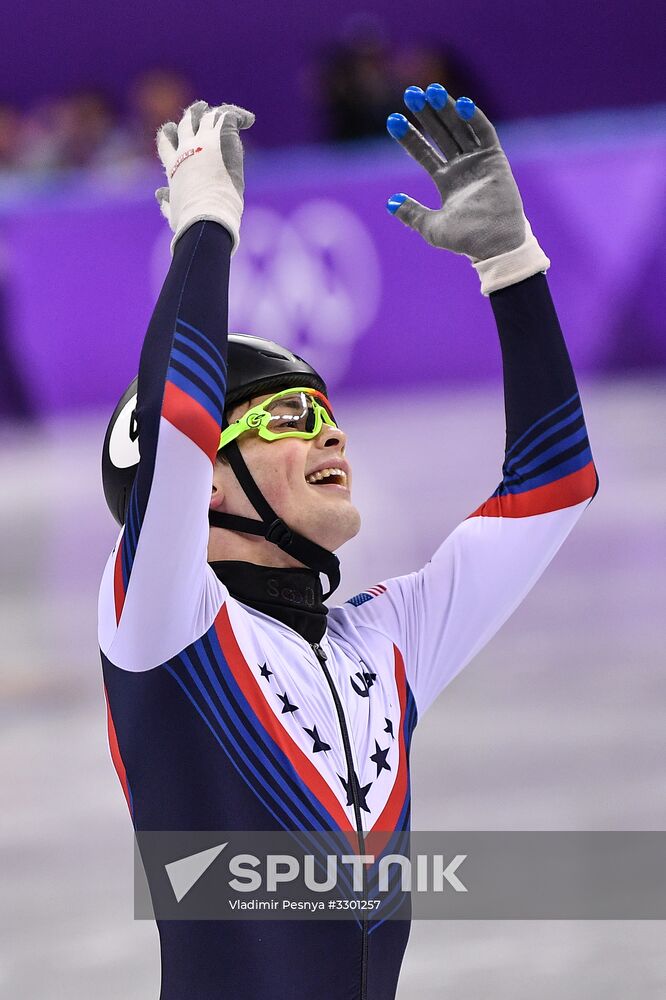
column 293, row 596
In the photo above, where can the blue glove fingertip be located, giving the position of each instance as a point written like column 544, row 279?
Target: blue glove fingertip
column 436, row 96
column 394, row 202
column 414, row 99
column 397, row 125
column 465, row 108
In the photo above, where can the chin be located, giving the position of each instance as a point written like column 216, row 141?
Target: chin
column 333, row 527
column 345, row 527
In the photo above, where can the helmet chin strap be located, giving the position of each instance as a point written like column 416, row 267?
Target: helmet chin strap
column 273, row 527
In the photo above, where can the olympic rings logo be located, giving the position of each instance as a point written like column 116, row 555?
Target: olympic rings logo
column 311, row 282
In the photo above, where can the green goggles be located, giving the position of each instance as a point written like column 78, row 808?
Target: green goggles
column 292, row 413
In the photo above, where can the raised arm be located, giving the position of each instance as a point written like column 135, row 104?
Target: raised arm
column 157, row 594
column 443, row 615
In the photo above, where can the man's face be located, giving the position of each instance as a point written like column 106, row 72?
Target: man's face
column 320, row 510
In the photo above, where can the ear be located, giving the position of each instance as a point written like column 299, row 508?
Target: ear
column 217, row 490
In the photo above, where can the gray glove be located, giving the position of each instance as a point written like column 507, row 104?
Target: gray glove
column 203, row 160
column 482, row 214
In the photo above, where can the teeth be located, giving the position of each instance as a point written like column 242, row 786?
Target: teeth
column 316, row 477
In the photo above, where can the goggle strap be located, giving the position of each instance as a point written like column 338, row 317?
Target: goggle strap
column 234, row 522
column 250, row 488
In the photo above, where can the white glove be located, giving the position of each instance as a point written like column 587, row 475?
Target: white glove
column 482, row 213
column 203, row 160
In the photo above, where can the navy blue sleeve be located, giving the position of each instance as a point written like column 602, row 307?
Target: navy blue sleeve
column 161, row 595
column 186, row 343
column 548, row 463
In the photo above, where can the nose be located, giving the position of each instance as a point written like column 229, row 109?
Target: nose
column 331, row 437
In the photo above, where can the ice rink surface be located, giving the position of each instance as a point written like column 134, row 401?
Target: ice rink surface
column 558, row 724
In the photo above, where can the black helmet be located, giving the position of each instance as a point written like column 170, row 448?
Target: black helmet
column 254, row 367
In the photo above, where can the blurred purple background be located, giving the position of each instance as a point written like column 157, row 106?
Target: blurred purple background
column 323, row 268
column 534, row 56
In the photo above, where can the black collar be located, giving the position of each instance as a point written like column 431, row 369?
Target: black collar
column 293, row 596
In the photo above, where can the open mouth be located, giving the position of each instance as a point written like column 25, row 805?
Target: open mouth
column 327, row 477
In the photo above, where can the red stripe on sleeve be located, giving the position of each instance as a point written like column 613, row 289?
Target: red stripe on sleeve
column 115, row 753
column 565, row 492
column 189, row 417
column 118, row 585
column 248, row 684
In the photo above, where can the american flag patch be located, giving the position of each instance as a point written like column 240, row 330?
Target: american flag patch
column 367, row 595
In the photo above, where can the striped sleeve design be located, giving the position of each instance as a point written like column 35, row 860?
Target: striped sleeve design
column 548, row 463
column 195, row 387
column 160, row 560
column 549, row 467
